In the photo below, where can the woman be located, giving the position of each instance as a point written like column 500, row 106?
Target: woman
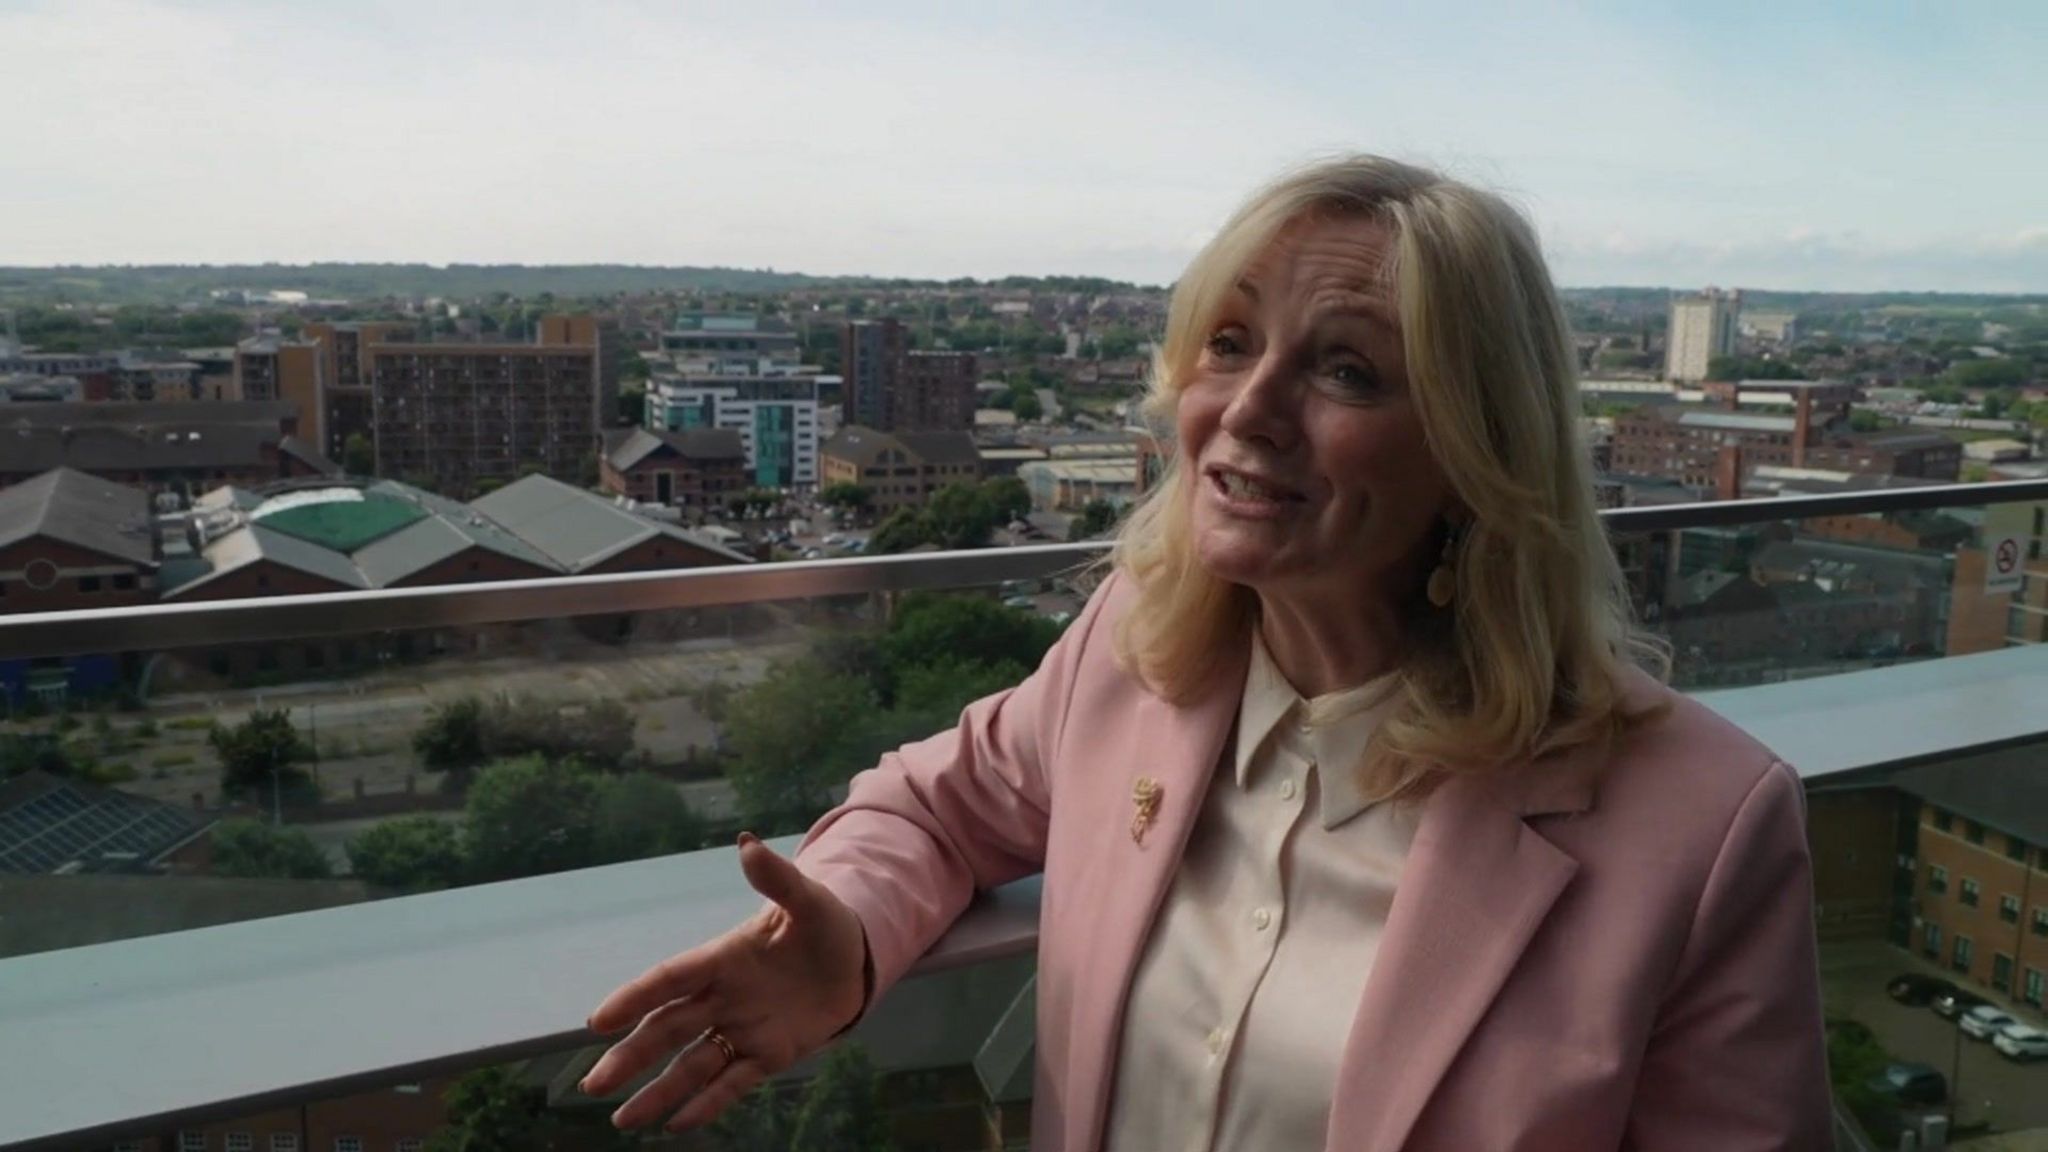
column 1359, row 827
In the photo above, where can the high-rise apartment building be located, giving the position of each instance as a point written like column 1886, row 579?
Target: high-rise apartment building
column 584, row 330
column 936, row 393
column 871, row 358
column 730, row 344
column 453, row 416
column 775, row 415
column 1702, row 327
column 346, row 408
column 274, row 368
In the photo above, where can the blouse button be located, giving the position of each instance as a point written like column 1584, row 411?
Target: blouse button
column 1262, row 919
column 1287, row 789
column 1215, row 1041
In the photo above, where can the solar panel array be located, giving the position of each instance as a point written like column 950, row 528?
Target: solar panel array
column 99, row 830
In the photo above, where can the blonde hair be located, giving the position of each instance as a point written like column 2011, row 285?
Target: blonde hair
column 1528, row 658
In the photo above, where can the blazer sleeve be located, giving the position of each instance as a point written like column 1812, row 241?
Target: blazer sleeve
column 1737, row 1060
column 966, row 809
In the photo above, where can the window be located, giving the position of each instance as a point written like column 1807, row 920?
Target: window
column 1931, row 945
column 88, row 583
column 2040, row 921
column 2001, row 971
column 189, row 1141
column 284, row 1142
column 2032, row 987
column 355, row 1143
column 239, row 1142
column 1937, row 879
column 2009, row 908
column 1973, row 832
column 408, row 1146
column 1965, row 952
column 125, row 582
column 2015, row 849
column 1969, row 892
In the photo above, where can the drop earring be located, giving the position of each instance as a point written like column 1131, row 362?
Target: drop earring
column 1443, row 580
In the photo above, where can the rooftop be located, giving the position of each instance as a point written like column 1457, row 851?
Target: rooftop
column 81, row 510
column 578, row 530
column 626, row 448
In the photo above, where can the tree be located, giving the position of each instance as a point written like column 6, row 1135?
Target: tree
column 1009, row 497
column 36, row 752
column 1096, row 518
column 632, row 409
column 492, row 1110
column 1026, row 405
column 530, row 817
column 2004, row 372
column 787, row 732
column 252, row 849
column 260, row 751
column 850, row 496
column 841, row 1109
column 642, row 815
column 453, row 738
column 960, row 516
column 358, row 455
column 417, row 853
column 903, row 530
column 598, row 733
column 930, row 628
column 1864, row 420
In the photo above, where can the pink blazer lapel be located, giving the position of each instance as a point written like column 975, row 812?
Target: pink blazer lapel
column 1477, row 885
column 1177, row 748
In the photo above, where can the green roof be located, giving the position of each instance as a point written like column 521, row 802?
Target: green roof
column 344, row 525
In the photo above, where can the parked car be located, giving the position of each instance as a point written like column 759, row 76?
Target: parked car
column 2021, row 1042
column 1911, row 1084
column 1954, row 1004
column 1024, row 602
column 1916, row 990
column 1983, row 1021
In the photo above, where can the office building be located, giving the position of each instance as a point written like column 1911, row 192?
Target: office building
column 900, row 469
column 936, row 393
column 1714, row 447
column 458, row 418
column 730, row 344
column 1702, row 327
column 871, row 358
column 776, row 417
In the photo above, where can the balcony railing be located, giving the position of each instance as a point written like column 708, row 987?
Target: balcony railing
column 143, row 1036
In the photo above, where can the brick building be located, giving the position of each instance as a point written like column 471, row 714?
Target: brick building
column 1979, row 896
column 872, row 356
column 1696, row 444
column 272, row 368
column 690, row 468
column 458, row 417
column 70, row 541
column 900, row 469
column 936, row 392
column 183, row 448
column 347, row 405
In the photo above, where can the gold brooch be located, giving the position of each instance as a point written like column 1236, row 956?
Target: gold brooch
column 1145, row 795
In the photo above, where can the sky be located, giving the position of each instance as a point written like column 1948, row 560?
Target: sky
column 1855, row 147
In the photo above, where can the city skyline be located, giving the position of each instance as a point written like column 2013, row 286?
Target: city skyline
column 1803, row 150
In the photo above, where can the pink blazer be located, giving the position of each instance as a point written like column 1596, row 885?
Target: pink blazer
column 1569, row 964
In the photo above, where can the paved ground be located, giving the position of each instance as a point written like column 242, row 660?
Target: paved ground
column 1987, row 1085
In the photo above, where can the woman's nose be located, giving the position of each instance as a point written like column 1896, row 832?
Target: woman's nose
column 1267, row 406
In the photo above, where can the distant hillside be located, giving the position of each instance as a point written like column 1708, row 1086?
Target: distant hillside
column 179, row 282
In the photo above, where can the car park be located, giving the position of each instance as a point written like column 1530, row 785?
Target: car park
column 1984, row 1021
column 1911, row 1084
column 1917, row 990
column 1954, row 1003
column 2021, row 1042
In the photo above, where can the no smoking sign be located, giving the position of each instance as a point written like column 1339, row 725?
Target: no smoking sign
column 2002, row 574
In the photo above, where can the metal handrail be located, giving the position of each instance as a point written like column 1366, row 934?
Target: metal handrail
column 149, row 627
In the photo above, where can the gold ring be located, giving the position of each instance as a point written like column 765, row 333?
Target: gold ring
column 718, row 1038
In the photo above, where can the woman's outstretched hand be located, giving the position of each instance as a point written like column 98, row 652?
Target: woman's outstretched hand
column 775, row 989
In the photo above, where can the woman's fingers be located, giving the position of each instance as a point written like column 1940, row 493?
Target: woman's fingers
column 776, row 877
column 724, row 1090
column 685, row 1076
column 659, row 1032
column 676, row 978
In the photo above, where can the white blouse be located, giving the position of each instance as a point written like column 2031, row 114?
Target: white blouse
column 1243, row 999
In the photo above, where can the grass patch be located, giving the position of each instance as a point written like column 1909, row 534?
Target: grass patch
column 189, row 724
column 174, row 760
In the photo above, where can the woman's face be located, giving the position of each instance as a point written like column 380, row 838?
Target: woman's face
column 1311, row 475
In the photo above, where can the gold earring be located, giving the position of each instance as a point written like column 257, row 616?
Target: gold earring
column 1443, row 580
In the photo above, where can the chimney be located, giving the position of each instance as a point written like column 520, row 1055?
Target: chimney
column 1802, row 424
column 1728, row 473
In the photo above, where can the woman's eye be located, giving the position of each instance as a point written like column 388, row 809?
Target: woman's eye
column 1355, row 377
column 1229, row 342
